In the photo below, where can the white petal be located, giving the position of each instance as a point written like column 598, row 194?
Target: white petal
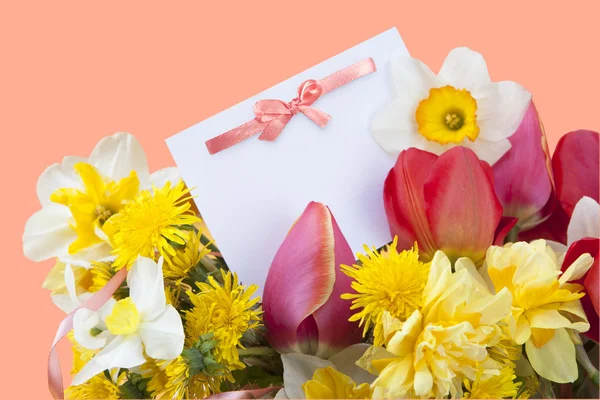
column 83, row 321
column 122, row 352
column 163, row 337
column 162, row 176
column 487, row 151
column 58, row 176
column 577, row 270
column 47, row 233
column 64, row 302
column 297, row 369
column 394, row 127
column 281, row 394
column 146, row 287
column 555, row 360
column 412, row 79
column 501, row 107
column 117, row 155
column 557, row 247
column 345, row 362
column 464, row 68
column 585, row 220
column 98, row 253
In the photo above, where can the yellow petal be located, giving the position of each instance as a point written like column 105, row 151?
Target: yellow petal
column 577, row 270
column 555, row 360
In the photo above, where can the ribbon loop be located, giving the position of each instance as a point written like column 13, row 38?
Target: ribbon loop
column 271, row 116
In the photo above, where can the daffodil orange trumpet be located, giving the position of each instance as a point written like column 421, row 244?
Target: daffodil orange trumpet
column 303, row 311
column 444, row 202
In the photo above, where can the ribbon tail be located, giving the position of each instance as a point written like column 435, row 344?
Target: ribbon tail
column 274, row 128
column 317, row 116
column 234, row 136
column 55, row 383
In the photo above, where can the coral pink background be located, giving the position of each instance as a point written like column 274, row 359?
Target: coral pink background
column 73, row 72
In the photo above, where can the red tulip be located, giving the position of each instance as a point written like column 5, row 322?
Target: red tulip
column 303, row 311
column 444, row 203
column 523, row 176
column 590, row 281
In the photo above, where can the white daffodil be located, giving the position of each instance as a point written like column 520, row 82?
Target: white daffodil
column 460, row 106
column 338, row 377
column 584, row 223
column 81, row 194
column 141, row 324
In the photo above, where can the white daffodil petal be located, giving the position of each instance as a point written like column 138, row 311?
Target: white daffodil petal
column 101, row 252
column 58, row 176
column 122, row 352
column 464, row 68
column 281, row 394
column 488, row 151
column 577, row 270
column 83, row 322
column 557, row 247
column 412, row 78
column 501, row 107
column 585, row 220
column 345, row 362
column 146, row 287
column 297, row 369
column 162, row 176
column 70, row 283
column 117, row 155
column 556, row 359
column 48, row 233
column 394, row 126
column 163, row 337
column 64, row 302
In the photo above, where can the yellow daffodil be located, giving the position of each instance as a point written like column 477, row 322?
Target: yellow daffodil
column 388, row 281
column 328, row 383
column 443, row 342
column 79, row 195
column 55, row 280
column 151, row 224
column 545, row 306
column 228, row 311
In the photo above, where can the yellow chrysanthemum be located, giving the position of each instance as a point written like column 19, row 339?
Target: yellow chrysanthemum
column 545, row 306
column 91, row 207
column 389, row 281
column 81, row 355
column 503, row 385
column 98, row 387
column 179, row 265
column 443, row 342
column 328, row 383
column 55, row 280
column 151, row 224
column 171, row 380
column 228, row 311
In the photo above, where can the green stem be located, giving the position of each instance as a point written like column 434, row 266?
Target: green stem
column 258, row 351
column 546, row 389
column 587, row 365
column 513, row 235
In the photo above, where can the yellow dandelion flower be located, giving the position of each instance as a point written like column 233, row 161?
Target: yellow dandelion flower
column 392, row 281
column 328, row 383
column 171, row 379
column 98, row 387
column 503, row 385
column 506, row 351
column 228, row 311
column 81, row 355
column 178, row 266
column 101, row 272
column 151, row 224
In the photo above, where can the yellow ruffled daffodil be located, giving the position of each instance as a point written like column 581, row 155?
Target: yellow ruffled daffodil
column 329, row 383
column 445, row 341
column 545, row 305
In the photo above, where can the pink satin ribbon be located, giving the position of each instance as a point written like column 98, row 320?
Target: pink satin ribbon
column 273, row 115
column 55, row 382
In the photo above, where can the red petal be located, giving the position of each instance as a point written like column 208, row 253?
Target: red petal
column 522, row 177
column 302, row 281
column 505, row 225
column 404, row 201
column 591, row 280
column 575, row 164
column 461, row 206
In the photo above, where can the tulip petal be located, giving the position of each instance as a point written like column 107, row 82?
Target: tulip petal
column 301, row 277
column 335, row 331
column 404, row 201
column 504, row 227
column 522, row 177
column 461, row 206
column 575, row 164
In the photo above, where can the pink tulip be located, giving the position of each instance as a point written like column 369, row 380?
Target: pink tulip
column 523, row 176
column 303, row 311
column 444, row 203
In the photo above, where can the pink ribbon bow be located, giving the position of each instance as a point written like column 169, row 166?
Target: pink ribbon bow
column 273, row 115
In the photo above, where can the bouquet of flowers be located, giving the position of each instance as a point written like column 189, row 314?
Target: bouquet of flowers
column 489, row 288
